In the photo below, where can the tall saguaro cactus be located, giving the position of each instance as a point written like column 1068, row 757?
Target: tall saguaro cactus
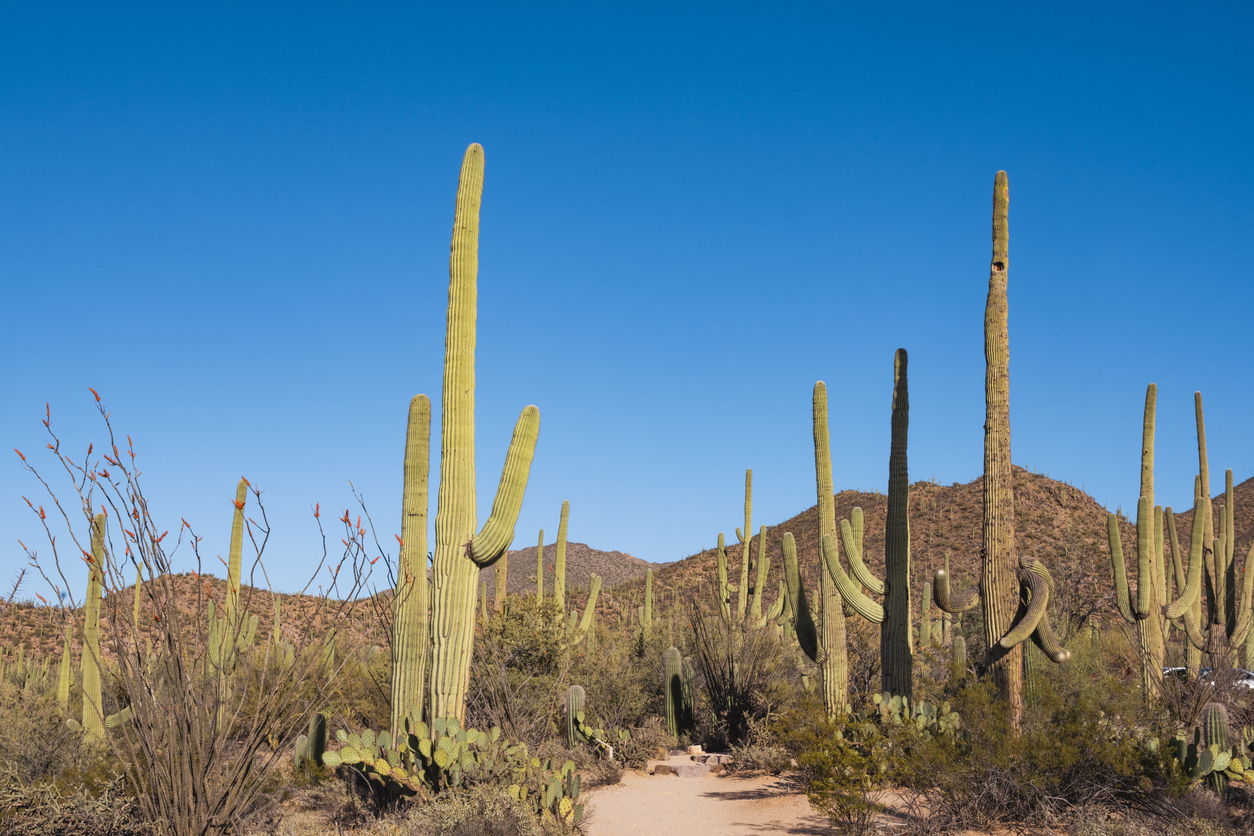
column 894, row 617
column 460, row 551
column 835, row 666
column 411, row 607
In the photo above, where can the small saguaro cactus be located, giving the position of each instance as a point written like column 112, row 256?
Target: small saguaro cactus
column 1215, row 734
column 64, row 675
column 646, row 611
column 584, row 628
column 460, row 550
column 312, row 746
column 925, row 618
column 742, row 592
column 960, row 655
column 411, row 605
column 673, row 670
column 502, row 582
column 540, row 569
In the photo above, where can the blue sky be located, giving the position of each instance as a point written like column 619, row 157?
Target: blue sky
column 234, row 223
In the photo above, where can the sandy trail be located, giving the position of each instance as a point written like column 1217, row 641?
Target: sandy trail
column 645, row 805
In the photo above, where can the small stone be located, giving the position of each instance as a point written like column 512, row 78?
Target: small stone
column 694, row 750
column 663, row 769
column 690, row 770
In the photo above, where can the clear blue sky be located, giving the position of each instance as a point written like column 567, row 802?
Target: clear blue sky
column 234, row 223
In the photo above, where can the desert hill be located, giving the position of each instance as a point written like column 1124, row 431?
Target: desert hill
column 582, row 561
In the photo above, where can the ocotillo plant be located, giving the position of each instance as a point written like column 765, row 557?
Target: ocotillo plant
column 411, row 607
column 460, row 551
column 835, row 666
column 896, row 637
column 1001, row 581
column 559, row 561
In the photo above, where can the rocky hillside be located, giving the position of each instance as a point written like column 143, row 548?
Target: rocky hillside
column 581, row 563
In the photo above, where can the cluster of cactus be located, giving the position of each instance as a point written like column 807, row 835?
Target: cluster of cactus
column 312, row 747
column 1208, row 757
column 422, row 762
column 929, row 720
column 747, row 611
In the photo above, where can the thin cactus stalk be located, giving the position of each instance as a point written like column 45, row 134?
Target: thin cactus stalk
column 559, row 561
column 459, row 551
column 502, row 580
column 139, row 585
column 724, row 588
column 93, row 716
column 925, row 619
column 411, row 607
column 235, row 561
column 64, row 675
column 589, row 611
column 835, row 664
column 742, row 593
column 960, row 655
column 540, row 569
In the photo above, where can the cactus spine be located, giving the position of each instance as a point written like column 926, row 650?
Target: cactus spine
column 93, row 716
column 559, row 562
column 411, row 608
column 459, row 551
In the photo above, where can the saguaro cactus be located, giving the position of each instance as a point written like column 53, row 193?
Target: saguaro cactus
column 894, row 617
column 724, row 587
column 835, row 665
column 574, row 708
column 64, row 675
column 502, row 582
column 411, row 607
column 559, row 561
column 673, row 669
column 459, row 551
column 646, row 612
column 742, row 592
column 540, row 569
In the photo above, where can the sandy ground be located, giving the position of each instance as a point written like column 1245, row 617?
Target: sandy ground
column 645, row 805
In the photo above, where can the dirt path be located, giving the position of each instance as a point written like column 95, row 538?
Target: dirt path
column 665, row 805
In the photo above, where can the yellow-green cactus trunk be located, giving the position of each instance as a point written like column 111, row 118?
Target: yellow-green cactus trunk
column 896, row 639
column 559, row 560
column 834, row 659
column 93, row 707
column 459, row 551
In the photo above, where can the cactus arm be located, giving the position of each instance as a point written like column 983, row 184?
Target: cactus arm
column 853, row 550
column 410, row 602
column 1144, row 558
column 1038, row 604
column 590, row 608
column 498, row 532
column 1177, row 559
column 803, row 622
column 1193, row 583
column 764, row 566
column 953, row 604
column 742, row 599
column 1120, row 571
column 236, row 554
column 1044, row 638
column 861, row 604
column 1197, row 637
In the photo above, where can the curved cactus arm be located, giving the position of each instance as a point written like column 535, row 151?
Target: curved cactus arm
column 853, row 550
column 1247, row 592
column 590, row 608
column 952, row 604
column 764, row 566
column 861, row 604
column 803, row 622
column 1177, row 559
column 1038, row 605
column 498, row 532
column 1198, row 637
column 1044, row 638
column 1193, row 583
column 1120, row 570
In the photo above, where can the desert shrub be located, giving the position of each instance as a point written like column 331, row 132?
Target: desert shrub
column 621, row 677
column 480, row 811
column 646, row 739
column 761, row 750
column 46, row 809
column 35, row 743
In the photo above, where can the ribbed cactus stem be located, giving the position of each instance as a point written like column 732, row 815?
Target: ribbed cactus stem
column 742, row 600
column 235, row 563
column 896, row 634
column 835, row 664
column 998, row 585
column 960, row 655
column 411, row 608
column 559, row 560
column 1215, row 734
column 759, row 583
column 672, row 665
column 64, row 674
column 93, row 706
column 459, row 551
column 724, row 588
column 802, row 620
column 590, row 607
column 574, row 709
column 925, row 620
column 540, row 569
